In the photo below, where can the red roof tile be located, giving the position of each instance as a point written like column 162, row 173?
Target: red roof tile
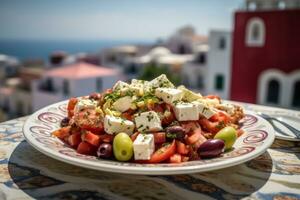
column 80, row 70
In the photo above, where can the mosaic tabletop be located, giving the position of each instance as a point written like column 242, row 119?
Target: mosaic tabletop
column 27, row 174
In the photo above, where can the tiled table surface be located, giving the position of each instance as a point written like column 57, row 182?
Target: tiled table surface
column 27, row 174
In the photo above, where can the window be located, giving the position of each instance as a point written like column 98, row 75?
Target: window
column 49, row 85
column 99, row 84
column 296, row 95
column 19, row 108
column 131, row 69
column 222, row 43
column 219, row 82
column 66, row 87
column 182, row 49
column 273, row 89
column 255, row 32
column 201, row 58
column 200, row 82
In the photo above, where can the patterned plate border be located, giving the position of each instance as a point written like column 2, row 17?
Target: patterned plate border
column 259, row 135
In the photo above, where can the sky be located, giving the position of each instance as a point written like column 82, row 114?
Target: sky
column 111, row 19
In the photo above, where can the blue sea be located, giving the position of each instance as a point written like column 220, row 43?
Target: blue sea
column 32, row 49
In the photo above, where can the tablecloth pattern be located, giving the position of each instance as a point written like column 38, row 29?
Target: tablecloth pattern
column 28, row 174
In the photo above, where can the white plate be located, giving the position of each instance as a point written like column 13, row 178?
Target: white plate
column 290, row 117
column 258, row 136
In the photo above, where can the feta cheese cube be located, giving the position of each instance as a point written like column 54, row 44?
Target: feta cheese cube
column 85, row 103
column 148, row 121
column 161, row 81
column 169, row 95
column 189, row 95
column 114, row 125
column 143, row 147
column 229, row 108
column 186, row 112
column 204, row 110
column 120, row 85
column 123, row 103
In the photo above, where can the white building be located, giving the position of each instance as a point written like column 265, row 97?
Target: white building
column 193, row 73
column 219, row 63
column 74, row 80
column 160, row 56
column 8, row 66
column 185, row 40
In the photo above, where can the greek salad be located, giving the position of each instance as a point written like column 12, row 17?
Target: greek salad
column 150, row 122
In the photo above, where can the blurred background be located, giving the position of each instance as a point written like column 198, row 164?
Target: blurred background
column 242, row 50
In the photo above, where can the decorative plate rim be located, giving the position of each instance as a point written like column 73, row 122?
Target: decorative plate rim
column 153, row 169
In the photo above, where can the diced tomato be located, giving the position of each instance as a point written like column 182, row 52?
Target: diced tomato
column 89, row 119
column 213, row 97
column 157, row 108
column 134, row 136
column 71, row 105
column 159, row 137
column 128, row 114
column 86, row 148
column 98, row 130
column 176, row 158
column 220, row 117
column 212, row 127
column 163, row 153
column 91, row 138
column 181, row 148
column 190, row 126
column 196, row 135
column 108, row 138
column 62, row 132
column 74, row 139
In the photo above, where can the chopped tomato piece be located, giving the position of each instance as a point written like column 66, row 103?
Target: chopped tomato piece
column 134, row 136
column 213, row 97
column 86, row 148
column 128, row 114
column 71, row 105
column 157, row 108
column 74, row 139
column 181, row 148
column 163, row 153
column 106, row 138
column 212, row 127
column 91, row 138
column 62, row 132
column 196, row 135
column 89, row 119
column 190, row 126
column 176, row 158
column 159, row 137
column 220, row 117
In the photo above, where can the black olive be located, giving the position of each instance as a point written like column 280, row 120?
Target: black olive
column 64, row 122
column 104, row 150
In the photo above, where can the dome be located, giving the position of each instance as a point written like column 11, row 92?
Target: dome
column 159, row 51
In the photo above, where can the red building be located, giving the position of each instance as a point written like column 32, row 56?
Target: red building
column 266, row 57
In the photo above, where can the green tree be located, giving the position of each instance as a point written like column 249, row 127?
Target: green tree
column 153, row 70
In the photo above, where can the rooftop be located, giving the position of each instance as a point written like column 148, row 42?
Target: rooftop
column 80, row 70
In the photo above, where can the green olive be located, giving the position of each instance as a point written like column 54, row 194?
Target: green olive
column 228, row 135
column 122, row 147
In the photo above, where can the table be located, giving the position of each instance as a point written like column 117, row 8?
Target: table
column 27, row 174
